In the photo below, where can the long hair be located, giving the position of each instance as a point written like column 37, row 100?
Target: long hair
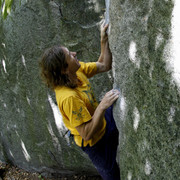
column 53, row 65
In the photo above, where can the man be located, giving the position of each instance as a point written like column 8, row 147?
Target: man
column 92, row 125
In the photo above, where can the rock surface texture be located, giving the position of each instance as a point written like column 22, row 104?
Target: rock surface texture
column 32, row 132
column 145, row 46
column 145, row 51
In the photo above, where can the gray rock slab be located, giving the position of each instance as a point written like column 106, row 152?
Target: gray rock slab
column 147, row 113
column 32, row 132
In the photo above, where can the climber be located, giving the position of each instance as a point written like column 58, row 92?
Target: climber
column 91, row 125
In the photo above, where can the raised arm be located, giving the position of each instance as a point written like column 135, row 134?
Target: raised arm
column 104, row 62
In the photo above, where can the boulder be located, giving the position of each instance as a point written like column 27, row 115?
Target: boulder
column 144, row 43
column 33, row 136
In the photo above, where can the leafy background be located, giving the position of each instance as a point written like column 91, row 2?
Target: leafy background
column 5, row 7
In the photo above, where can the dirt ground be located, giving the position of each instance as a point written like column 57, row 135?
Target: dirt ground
column 9, row 172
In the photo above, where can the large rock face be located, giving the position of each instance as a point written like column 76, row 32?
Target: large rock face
column 145, row 50
column 32, row 133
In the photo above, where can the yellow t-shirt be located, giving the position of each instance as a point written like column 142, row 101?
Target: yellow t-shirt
column 77, row 105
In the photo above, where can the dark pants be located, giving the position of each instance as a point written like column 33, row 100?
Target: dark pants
column 103, row 153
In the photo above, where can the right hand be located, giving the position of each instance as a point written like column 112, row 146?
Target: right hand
column 109, row 98
column 104, row 35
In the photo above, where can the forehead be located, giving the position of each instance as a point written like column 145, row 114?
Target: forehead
column 65, row 50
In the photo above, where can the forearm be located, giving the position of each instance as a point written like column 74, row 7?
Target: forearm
column 106, row 54
column 95, row 124
column 105, row 58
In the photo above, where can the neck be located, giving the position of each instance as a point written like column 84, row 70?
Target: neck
column 73, row 77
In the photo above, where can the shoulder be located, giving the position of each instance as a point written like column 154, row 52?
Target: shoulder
column 87, row 64
column 64, row 93
column 102, row 68
column 88, row 68
column 82, row 67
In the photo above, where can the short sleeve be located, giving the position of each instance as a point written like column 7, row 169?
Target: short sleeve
column 76, row 111
column 89, row 69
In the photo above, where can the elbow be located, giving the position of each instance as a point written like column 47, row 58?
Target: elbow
column 107, row 68
column 88, row 135
column 87, row 138
column 85, row 131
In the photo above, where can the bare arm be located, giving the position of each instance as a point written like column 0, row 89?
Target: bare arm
column 88, row 129
column 105, row 59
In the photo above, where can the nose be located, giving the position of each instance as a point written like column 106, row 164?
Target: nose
column 73, row 53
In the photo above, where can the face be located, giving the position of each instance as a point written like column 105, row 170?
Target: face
column 72, row 61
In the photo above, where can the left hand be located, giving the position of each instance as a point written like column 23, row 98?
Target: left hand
column 109, row 98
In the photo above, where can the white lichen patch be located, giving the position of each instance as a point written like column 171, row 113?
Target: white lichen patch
column 151, row 70
column 26, row 154
column 145, row 22
column 107, row 2
column 28, row 100
column 136, row 118
column 132, row 54
column 146, row 17
column 159, row 40
column 113, row 68
column 150, row 5
column 17, row 133
column 10, row 152
column 23, row 60
column 172, row 52
column 176, row 40
column 54, row 138
column 57, row 116
column 145, row 144
column 41, row 143
column 132, row 51
column 171, row 114
column 147, row 167
column 4, row 45
column 123, row 107
column 109, row 29
column 94, row 5
column 4, row 65
column 129, row 176
column 16, row 89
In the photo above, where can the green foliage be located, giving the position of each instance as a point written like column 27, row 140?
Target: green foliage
column 5, row 7
column 40, row 177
